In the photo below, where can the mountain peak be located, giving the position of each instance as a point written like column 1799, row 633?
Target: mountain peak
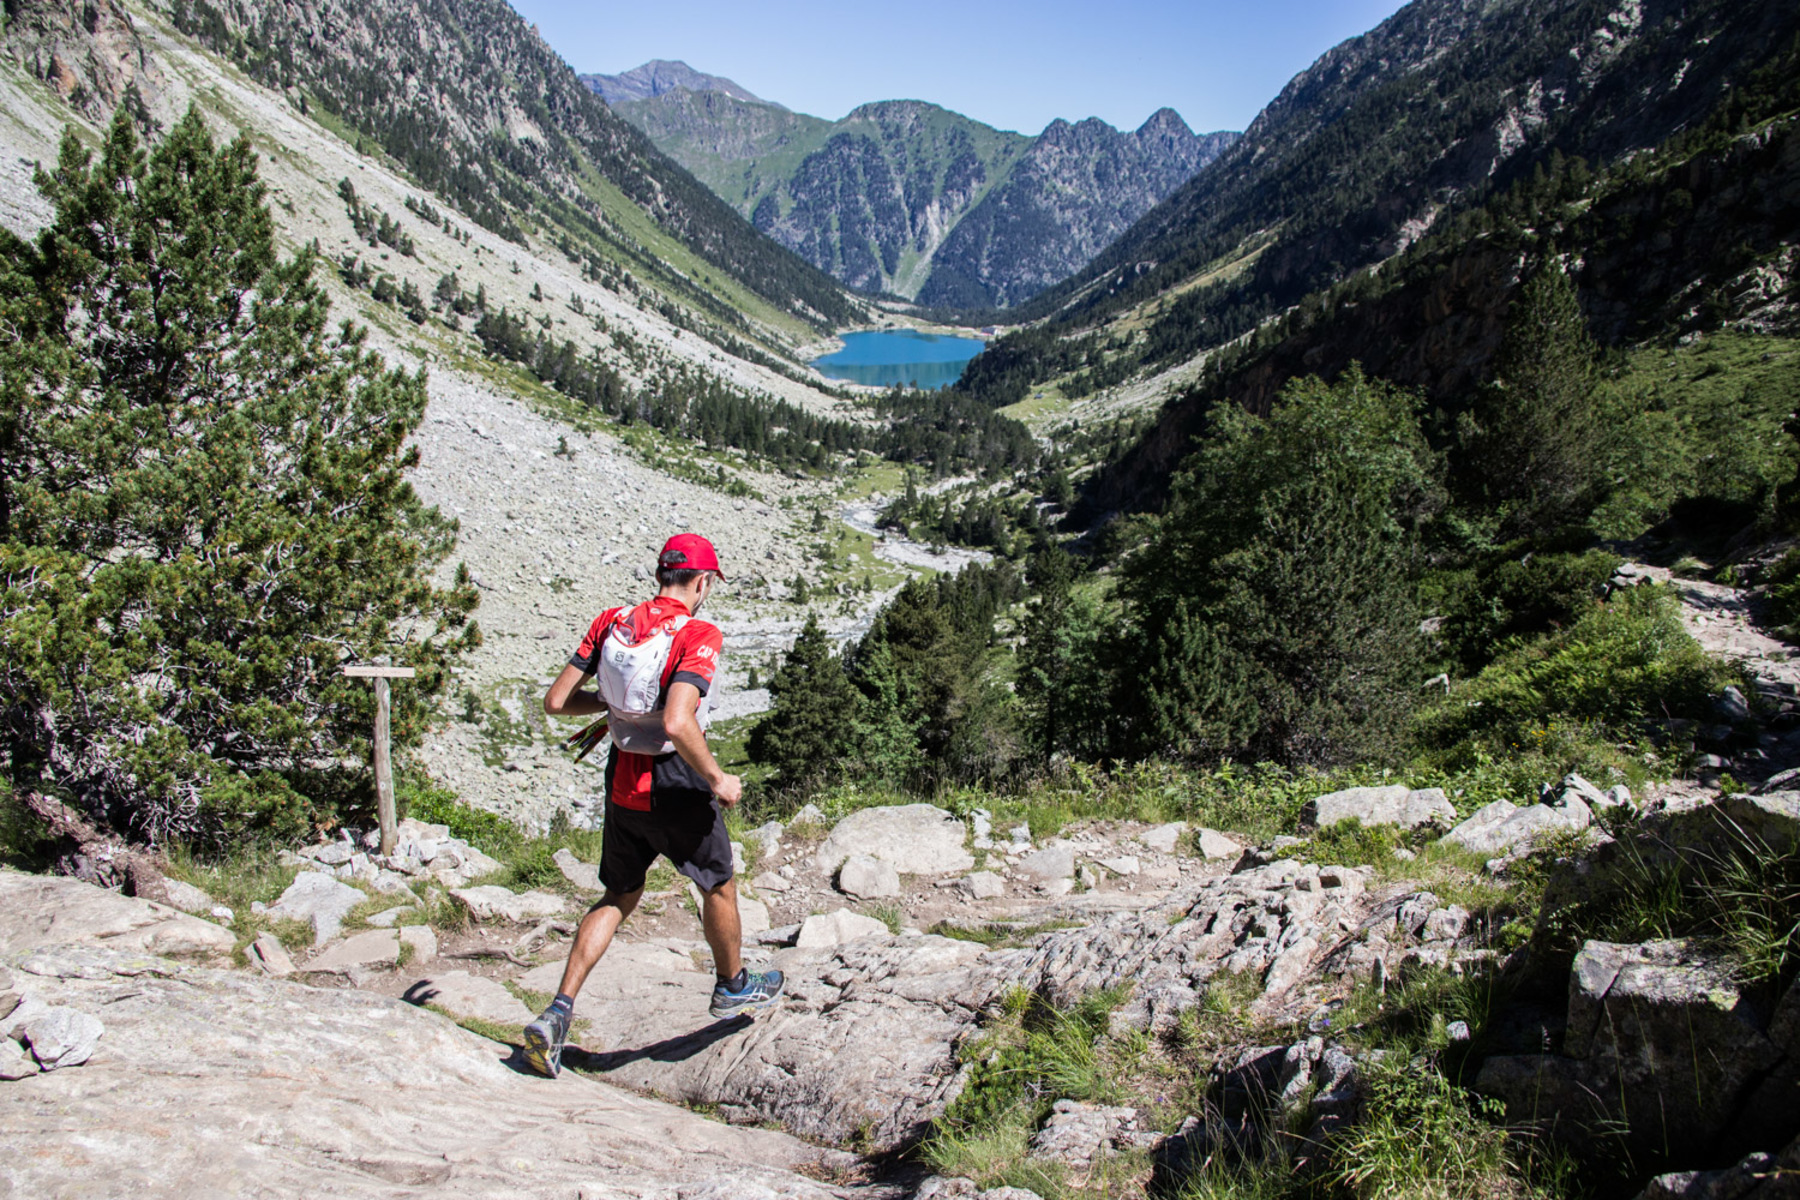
column 660, row 76
column 1165, row 121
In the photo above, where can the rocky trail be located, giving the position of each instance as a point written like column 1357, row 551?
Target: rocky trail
column 342, row 1061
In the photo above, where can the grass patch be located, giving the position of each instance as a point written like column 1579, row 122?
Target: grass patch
column 891, row 915
column 1029, row 1058
column 1422, row 1137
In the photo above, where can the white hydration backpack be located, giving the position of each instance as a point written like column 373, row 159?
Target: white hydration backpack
column 630, row 679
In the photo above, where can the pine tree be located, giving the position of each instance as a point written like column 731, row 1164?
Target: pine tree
column 1534, row 441
column 809, row 733
column 1276, row 602
column 203, row 504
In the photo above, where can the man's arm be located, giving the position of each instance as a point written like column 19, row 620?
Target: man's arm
column 690, row 742
column 566, row 699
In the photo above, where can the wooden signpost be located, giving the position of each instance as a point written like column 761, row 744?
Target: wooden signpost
column 384, row 768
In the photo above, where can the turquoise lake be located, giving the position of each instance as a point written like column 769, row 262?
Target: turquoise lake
column 905, row 356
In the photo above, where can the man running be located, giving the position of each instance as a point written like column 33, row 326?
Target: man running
column 664, row 789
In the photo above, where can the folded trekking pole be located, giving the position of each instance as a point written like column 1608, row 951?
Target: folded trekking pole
column 587, row 737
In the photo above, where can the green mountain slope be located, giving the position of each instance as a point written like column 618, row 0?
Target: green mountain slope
column 472, row 102
column 909, row 198
column 1434, row 108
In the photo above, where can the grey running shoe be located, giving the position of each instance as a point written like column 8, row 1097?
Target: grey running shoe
column 760, row 990
column 544, row 1041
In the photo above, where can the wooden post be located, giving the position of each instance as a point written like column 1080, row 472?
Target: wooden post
column 384, row 767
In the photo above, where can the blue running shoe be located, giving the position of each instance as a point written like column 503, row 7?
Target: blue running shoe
column 544, row 1041
column 760, row 990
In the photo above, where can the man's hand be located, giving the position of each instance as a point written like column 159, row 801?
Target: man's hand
column 729, row 790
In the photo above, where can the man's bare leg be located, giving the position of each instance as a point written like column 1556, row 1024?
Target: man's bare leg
column 724, row 932
column 596, row 934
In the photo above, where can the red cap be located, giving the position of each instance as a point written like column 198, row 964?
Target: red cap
column 689, row 552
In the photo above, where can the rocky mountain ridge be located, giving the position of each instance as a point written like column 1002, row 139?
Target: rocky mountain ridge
column 906, row 197
column 476, row 106
column 654, row 78
column 1438, row 108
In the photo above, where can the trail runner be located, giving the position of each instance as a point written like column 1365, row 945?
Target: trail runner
column 664, row 790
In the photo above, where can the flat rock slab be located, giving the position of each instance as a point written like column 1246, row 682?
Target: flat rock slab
column 583, row 875
column 495, row 903
column 48, row 910
column 621, row 959
column 369, row 950
column 319, row 900
column 837, row 928
column 1502, row 827
column 868, row 878
column 1163, row 838
column 863, row 1040
column 1053, row 862
column 225, row 1083
column 918, row 839
column 466, row 995
column 1394, row 805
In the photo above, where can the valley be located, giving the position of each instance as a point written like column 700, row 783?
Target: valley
column 1302, row 705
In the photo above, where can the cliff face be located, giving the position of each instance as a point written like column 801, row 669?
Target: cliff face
column 90, row 54
column 909, row 198
column 1077, row 189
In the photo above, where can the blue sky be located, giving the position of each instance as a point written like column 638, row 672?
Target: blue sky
column 1012, row 65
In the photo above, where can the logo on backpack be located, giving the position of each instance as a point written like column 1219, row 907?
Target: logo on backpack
column 631, row 671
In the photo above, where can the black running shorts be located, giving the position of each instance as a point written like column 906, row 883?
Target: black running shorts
column 689, row 831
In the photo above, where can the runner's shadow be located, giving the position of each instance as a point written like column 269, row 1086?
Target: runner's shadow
column 675, row 1049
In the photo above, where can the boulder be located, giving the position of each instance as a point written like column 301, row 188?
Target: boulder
column 320, row 901
column 224, row 1083
column 917, row 839
column 370, row 950
column 982, row 885
column 186, row 897
column 1052, row 862
column 391, row 917
column 1163, row 838
column 1662, row 1051
column 495, row 903
column 14, row 1062
column 61, row 1036
column 837, row 928
column 1393, row 805
column 753, row 915
column 1213, row 845
column 423, row 941
column 766, row 838
column 1076, row 1134
column 270, row 955
column 769, row 881
column 1124, row 864
column 583, row 875
column 1758, row 1176
column 47, row 910
column 464, row 995
column 1506, row 828
column 868, row 878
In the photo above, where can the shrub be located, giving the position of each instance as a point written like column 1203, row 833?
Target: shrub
column 1625, row 662
column 204, row 508
column 488, row 832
